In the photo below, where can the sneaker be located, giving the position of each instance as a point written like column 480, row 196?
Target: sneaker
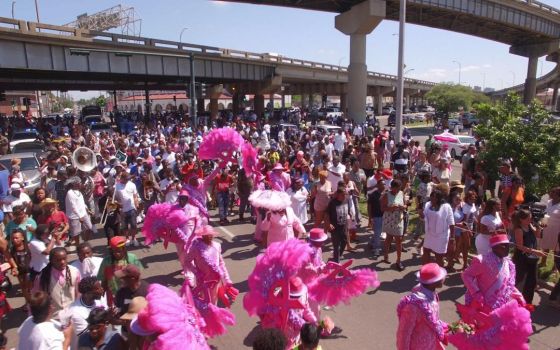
column 135, row 243
column 127, row 243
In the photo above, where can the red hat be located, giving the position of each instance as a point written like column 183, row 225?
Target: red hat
column 297, row 288
column 184, row 193
column 317, row 235
column 431, row 273
column 117, row 242
column 499, row 239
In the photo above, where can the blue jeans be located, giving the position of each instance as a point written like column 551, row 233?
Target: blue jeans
column 223, row 204
column 377, row 229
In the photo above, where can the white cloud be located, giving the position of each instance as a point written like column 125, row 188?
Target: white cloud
column 219, row 3
column 469, row 68
column 486, row 65
column 433, row 74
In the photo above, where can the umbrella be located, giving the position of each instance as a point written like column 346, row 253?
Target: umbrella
column 445, row 137
column 269, row 199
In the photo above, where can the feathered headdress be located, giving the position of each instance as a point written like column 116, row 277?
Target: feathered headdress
column 220, row 144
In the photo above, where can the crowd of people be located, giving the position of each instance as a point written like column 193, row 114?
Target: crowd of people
column 340, row 182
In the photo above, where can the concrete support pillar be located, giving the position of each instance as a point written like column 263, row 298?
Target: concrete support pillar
column 115, row 102
column 200, row 105
column 555, row 98
column 235, row 102
column 407, row 100
column 357, row 22
column 324, row 101
column 214, row 108
column 311, row 101
column 271, row 101
column 379, row 102
column 531, row 81
column 283, row 101
column 304, row 100
column 344, row 103
column 147, row 102
column 258, row 104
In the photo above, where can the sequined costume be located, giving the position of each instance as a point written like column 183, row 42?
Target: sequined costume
column 419, row 323
column 281, row 227
column 491, row 280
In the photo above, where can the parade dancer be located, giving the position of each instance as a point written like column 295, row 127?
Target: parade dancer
column 281, row 225
column 419, row 324
column 297, row 317
column 316, row 265
column 196, row 189
column 204, row 261
column 194, row 222
column 490, row 279
column 278, row 178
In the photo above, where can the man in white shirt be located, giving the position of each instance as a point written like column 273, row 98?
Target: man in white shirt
column 127, row 197
column 76, row 211
column 16, row 197
column 39, row 331
column 91, row 293
column 339, row 141
column 358, row 131
column 329, row 147
column 336, row 170
column 87, row 264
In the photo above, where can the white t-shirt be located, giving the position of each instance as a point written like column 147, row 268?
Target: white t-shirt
column 39, row 336
column 38, row 259
column 77, row 314
column 470, row 212
column 492, row 222
column 11, row 201
column 75, row 205
column 329, row 149
column 371, row 182
column 125, row 195
column 339, row 141
column 89, row 267
column 333, row 179
column 358, row 131
column 171, row 196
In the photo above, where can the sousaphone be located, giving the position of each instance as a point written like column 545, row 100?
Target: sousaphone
column 84, row 159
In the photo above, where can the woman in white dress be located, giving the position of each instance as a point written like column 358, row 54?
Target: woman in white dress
column 490, row 224
column 299, row 195
column 438, row 223
column 552, row 228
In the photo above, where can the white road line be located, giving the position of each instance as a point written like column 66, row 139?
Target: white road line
column 223, row 229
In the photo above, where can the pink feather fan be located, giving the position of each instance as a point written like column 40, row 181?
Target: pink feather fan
column 250, row 158
column 278, row 263
column 338, row 284
column 165, row 221
column 220, row 144
column 175, row 322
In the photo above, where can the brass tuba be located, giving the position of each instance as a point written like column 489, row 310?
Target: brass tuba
column 84, row 159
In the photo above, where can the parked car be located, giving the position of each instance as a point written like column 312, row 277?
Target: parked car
column 326, row 129
column 330, row 113
column 387, row 110
column 37, row 147
column 101, row 127
column 29, row 166
column 420, row 117
column 458, row 144
column 452, row 122
column 23, row 135
column 370, row 112
column 90, row 119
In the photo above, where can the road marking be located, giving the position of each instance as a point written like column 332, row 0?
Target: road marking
column 223, row 229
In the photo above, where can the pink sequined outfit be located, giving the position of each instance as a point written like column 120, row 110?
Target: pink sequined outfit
column 191, row 212
column 281, row 227
column 491, row 280
column 206, row 263
column 419, row 325
column 279, row 182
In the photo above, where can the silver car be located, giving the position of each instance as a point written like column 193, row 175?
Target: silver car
column 29, row 167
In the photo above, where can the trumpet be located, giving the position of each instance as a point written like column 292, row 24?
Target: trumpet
column 110, row 205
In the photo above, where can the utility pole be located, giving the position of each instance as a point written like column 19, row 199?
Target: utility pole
column 193, row 113
column 400, row 74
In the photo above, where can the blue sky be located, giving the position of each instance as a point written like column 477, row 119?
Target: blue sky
column 306, row 35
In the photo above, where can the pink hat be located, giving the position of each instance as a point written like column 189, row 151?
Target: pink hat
column 184, row 193
column 206, row 230
column 431, row 273
column 297, row 288
column 499, row 239
column 317, row 235
column 278, row 166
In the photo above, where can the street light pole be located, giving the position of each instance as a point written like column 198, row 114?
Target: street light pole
column 13, row 12
column 460, row 67
column 181, row 35
column 400, row 75
column 193, row 113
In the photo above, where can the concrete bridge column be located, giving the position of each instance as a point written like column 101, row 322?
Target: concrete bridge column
column 271, row 101
column 200, row 105
column 214, row 108
column 324, row 100
column 311, row 100
column 258, row 104
column 304, row 100
column 344, row 103
column 555, row 98
column 147, row 102
column 357, row 22
column 379, row 101
column 283, row 101
column 235, row 102
column 531, row 81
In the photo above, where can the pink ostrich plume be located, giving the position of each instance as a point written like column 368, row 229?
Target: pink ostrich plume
column 274, row 267
column 339, row 284
column 175, row 322
column 220, row 144
column 250, row 158
column 165, row 221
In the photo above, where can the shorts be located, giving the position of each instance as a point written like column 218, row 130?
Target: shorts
column 128, row 220
column 77, row 227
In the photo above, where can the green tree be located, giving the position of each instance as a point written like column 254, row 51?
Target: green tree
column 524, row 134
column 450, row 97
column 101, row 101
